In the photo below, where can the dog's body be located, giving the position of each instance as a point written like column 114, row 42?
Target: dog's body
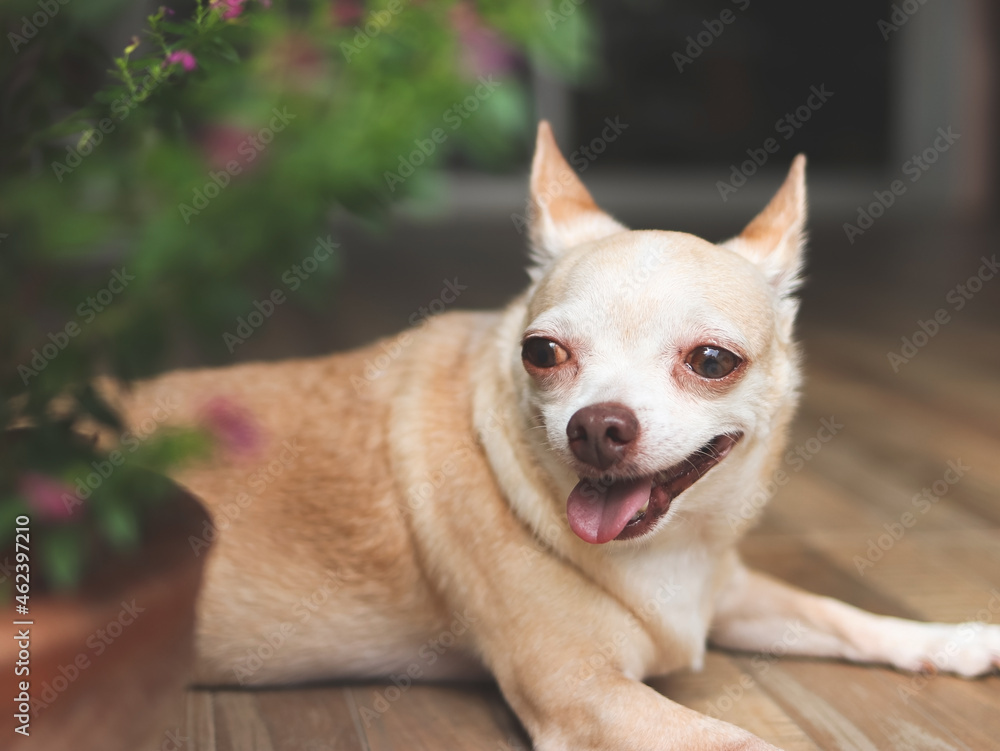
column 418, row 522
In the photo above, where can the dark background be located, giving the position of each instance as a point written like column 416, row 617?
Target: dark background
column 686, row 131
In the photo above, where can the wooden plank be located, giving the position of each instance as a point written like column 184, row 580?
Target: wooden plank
column 891, row 489
column 888, row 466
column 792, row 561
column 200, row 728
column 238, row 723
column 919, row 571
column 953, row 382
column 852, row 708
column 967, row 708
column 811, row 501
column 310, row 719
column 432, row 717
column 724, row 691
column 900, row 424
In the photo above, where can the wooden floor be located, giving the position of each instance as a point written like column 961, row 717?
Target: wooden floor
column 822, row 531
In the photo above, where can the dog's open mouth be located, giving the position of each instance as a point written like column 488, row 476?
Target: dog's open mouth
column 603, row 510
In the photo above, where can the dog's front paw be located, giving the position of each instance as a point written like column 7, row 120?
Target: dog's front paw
column 721, row 736
column 687, row 731
column 966, row 649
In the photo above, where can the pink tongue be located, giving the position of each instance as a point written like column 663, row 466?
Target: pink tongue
column 598, row 512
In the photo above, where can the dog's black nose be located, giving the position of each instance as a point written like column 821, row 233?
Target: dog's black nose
column 600, row 435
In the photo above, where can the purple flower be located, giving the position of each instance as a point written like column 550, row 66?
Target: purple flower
column 346, row 12
column 234, row 8
column 294, row 61
column 223, row 144
column 233, row 426
column 182, row 57
column 483, row 49
column 51, row 498
column 230, row 8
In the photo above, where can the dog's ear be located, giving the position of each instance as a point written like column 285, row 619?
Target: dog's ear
column 775, row 239
column 563, row 214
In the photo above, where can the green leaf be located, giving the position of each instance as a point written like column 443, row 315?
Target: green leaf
column 120, row 524
column 61, row 551
column 181, row 29
column 226, row 49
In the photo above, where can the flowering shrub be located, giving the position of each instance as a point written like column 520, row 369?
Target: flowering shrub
column 153, row 198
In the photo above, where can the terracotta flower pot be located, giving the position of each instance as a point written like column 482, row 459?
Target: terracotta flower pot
column 108, row 665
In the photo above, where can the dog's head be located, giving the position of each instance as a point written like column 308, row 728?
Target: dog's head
column 648, row 357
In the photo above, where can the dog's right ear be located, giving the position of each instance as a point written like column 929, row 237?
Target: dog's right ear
column 563, row 214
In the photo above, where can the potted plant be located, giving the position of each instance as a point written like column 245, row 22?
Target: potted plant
column 144, row 208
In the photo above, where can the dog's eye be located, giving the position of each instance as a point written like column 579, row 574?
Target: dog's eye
column 712, row 362
column 543, row 353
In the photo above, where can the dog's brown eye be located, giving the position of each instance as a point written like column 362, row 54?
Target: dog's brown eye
column 712, row 362
column 543, row 353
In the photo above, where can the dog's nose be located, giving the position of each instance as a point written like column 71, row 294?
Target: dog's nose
column 600, row 435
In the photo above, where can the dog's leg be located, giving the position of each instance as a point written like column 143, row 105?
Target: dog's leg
column 566, row 675
column 759, row 614
column 611, row 712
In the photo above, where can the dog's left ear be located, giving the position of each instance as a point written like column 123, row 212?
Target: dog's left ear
column 563, row 213
column 775, row 239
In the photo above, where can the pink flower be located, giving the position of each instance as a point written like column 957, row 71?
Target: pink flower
column 182, row 57
column 483, row 49
column 230, row 8
column 221, row 145
column 295, row 62
column 347, row 12
column 233, row 426
column 51, row 498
